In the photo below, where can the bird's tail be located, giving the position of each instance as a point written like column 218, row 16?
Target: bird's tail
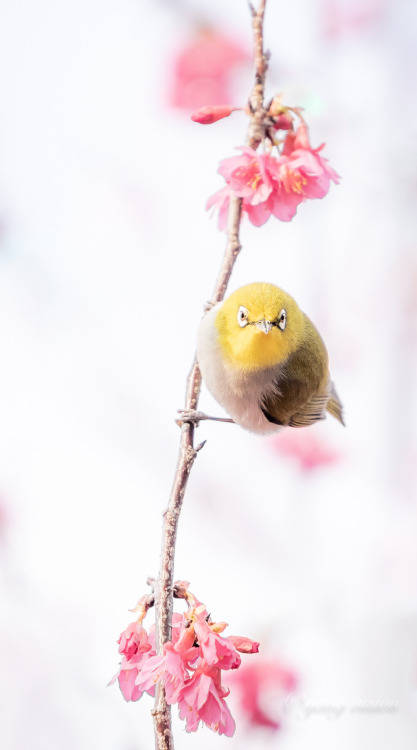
column 334, row 406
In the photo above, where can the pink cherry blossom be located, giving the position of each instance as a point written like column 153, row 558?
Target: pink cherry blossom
column 274, row 185
column 127, row 676
column 311, row 173
column 178, row 656
column 299, row 173
column 215, row 650
column 150, row 672
column 202, row 699
column 133, row 640
column 136, row 649
column 248, row 175
column 170, row 666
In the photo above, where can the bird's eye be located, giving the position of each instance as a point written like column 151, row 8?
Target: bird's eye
column 242, row 316
column 282, row 320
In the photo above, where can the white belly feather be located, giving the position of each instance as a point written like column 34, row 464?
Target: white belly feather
column 239, row 392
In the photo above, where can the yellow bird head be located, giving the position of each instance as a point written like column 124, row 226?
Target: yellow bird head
column 259, row 326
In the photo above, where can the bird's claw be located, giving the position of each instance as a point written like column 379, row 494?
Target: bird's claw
column 190, row 416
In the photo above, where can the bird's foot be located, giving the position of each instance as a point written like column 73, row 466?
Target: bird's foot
column 191, row 416
column 194, row 417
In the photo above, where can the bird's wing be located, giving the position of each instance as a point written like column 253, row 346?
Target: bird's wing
column 311, row 412
column 293, row 402
column 303, row 391
column 291, row 408
column 301, row 388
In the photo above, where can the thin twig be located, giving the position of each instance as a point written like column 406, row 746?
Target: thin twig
column 187, row 451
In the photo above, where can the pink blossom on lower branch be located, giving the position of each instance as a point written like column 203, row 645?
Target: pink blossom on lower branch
column 170, row 667
column 202, row 699
column 136, row 649
column 215, row 650
column 190, row 665
column 133, row 640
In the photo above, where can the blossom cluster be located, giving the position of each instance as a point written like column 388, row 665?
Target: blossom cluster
column 190, row 666
column 275, row 181
column 274, row 185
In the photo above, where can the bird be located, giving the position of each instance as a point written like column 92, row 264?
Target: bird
column 265, row 362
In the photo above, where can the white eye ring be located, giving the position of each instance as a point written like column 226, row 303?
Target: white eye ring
column 282, row 320
column 242, row 316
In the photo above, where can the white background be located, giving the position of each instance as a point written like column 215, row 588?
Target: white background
column 106, row 259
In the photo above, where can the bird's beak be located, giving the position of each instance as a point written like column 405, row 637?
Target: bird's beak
column 264, row 325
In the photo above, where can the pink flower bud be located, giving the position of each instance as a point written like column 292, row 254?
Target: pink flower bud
column 207, row 115
column 244, row 645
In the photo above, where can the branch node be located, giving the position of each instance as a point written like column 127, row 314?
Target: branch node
column 191, row 454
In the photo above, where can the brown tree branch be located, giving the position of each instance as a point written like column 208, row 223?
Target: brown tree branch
column 187, row 451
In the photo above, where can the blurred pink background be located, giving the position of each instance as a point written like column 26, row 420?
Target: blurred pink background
column 107, row 256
